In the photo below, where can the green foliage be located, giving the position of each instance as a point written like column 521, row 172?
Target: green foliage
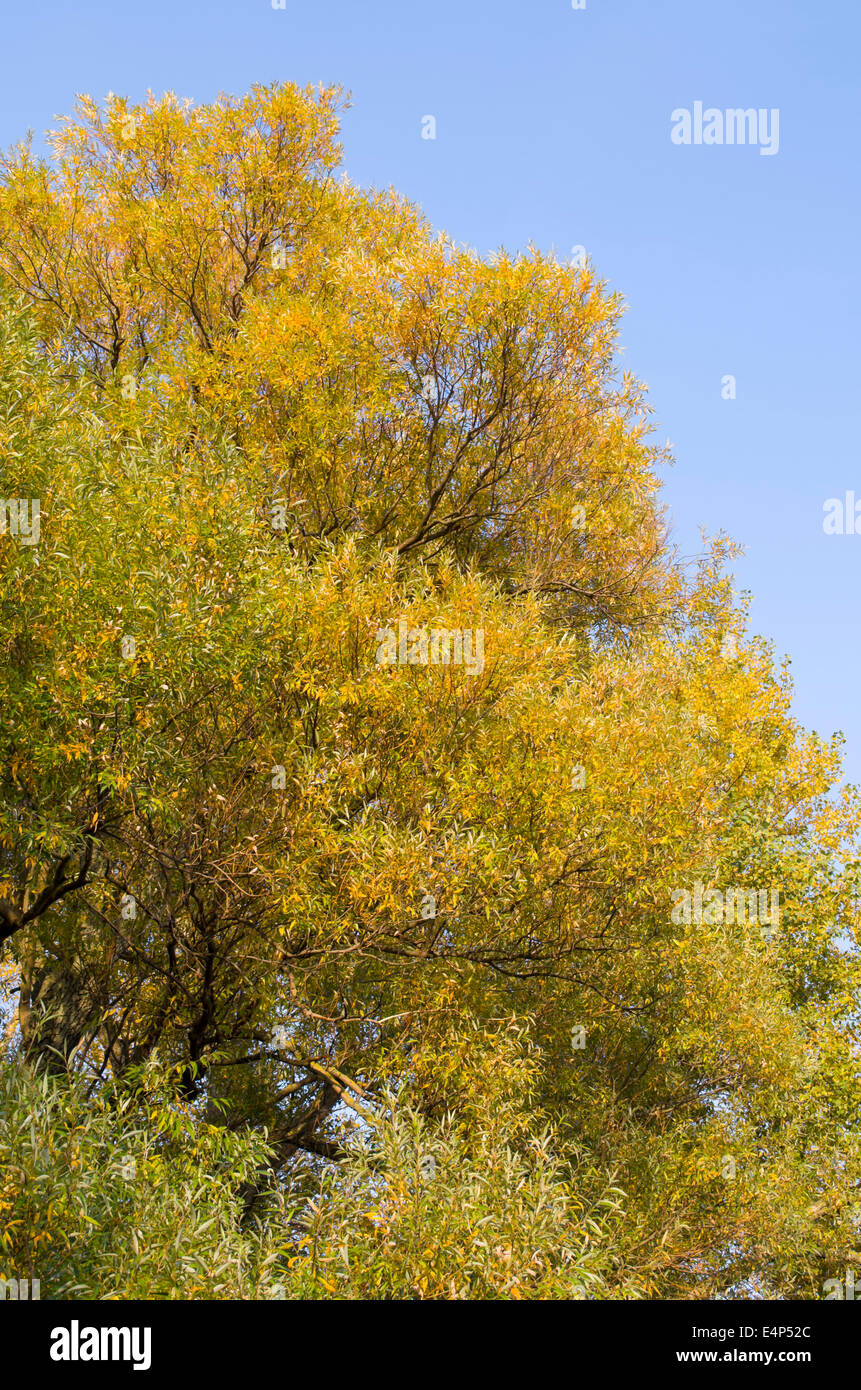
column 345, row 912
column 110, row 1195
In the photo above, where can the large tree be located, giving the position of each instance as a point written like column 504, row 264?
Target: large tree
column 281, row 434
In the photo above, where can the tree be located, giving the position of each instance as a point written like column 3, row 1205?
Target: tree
column 360, row 728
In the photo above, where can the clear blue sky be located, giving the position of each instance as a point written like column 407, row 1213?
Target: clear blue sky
column 553, row 126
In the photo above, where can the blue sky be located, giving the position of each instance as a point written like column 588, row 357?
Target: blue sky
column 553, row 126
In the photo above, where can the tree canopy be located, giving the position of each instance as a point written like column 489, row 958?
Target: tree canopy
column 361, row 733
